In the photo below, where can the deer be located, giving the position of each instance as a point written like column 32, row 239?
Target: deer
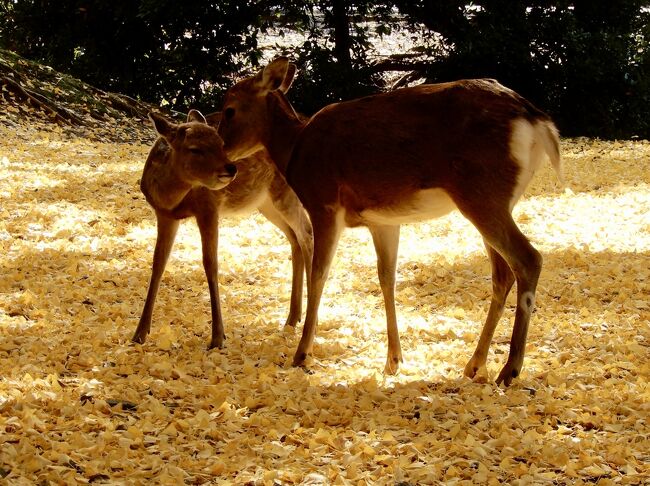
column 404, row 156
column 187, row 174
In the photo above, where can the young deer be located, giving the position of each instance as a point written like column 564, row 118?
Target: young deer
column 185, row 175
column 408, row 155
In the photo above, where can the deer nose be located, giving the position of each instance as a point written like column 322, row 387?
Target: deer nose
column 227, row 174
column 231, row 169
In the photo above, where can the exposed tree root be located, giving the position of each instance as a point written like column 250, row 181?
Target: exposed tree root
column 38, row 93
column 38, row 101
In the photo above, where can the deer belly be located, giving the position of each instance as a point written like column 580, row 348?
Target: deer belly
column 243, row 203
column 420, row 206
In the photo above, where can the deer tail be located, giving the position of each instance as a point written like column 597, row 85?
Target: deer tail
column 551, row 141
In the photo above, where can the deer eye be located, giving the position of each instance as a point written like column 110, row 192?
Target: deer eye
column 229, row 113
column 195, row 150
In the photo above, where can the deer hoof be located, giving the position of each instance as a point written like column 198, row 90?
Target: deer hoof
column 392, row 365
column 139, row 337
column 508, row 373
column 291, row 322
column 472, row 368
column 299, row 359
column 217, row 343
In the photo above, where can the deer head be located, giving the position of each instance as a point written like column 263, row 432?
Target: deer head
column 196, row 151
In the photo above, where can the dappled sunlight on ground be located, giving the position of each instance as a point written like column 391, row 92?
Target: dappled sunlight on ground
column 80, row 402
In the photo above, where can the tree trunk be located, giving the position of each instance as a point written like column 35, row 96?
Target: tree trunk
column 342, row 39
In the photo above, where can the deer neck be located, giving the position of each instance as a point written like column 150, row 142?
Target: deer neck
column 161, row 184
column 285, row 127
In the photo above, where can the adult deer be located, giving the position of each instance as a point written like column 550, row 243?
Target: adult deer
column 399, row 157
column 187, row 174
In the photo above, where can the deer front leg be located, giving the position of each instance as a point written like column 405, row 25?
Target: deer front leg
column 386, row 240
column 327, row 230
column 166, row 228
column 208, row 223
column 502, row 280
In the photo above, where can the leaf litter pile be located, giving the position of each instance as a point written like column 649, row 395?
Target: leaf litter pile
column 79, row 403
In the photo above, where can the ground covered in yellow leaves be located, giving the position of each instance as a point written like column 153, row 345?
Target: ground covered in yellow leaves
column 79, row 403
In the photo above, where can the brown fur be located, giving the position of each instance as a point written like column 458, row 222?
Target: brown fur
column 389, row 154
column 258, row 185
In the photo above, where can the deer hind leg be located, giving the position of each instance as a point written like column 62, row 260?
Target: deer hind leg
column 292, row 221
column 502, row 234
column 502, row 281
column 209, row 228
column 166, row 228
column 327, row 227
column 386, row 240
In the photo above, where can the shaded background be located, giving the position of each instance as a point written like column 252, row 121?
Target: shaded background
column 584, row 62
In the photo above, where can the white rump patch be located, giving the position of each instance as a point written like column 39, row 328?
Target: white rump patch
column 422, row 205
column 527, row 150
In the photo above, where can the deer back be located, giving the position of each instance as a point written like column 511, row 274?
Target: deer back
column 375, row 151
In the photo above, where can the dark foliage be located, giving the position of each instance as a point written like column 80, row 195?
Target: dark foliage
column 159, row 50
column 585, row 62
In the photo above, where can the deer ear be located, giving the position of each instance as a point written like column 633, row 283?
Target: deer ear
column 195, row 116
column 288, row 78
column 165, row 129
column 273, row 75
column 213, row 119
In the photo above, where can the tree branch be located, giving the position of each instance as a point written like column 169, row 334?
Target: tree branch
column 400, row 62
